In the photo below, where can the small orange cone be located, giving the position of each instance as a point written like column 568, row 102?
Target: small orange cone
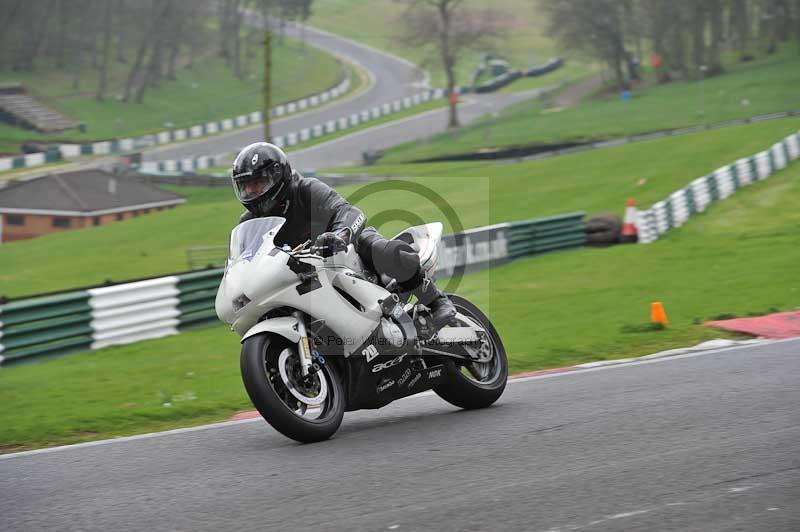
column 629, row 232
column 658, row 314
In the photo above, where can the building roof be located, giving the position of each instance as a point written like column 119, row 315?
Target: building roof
column 82, row 193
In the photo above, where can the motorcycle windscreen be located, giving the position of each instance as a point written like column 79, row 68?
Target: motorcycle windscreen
column 249, row 237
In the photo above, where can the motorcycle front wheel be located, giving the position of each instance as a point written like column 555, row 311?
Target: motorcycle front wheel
column 304, row 409
column 471, row 384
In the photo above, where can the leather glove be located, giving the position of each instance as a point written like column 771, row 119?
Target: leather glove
column 328, row 244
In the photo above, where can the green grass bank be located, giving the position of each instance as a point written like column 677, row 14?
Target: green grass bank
column 480, row 193
column 552, row 310
column 201, row 93
column 768, row 85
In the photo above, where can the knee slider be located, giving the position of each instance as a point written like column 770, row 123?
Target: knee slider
column 396, row 259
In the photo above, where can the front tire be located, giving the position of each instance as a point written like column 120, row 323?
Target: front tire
column 472, row 385
column 278, row 396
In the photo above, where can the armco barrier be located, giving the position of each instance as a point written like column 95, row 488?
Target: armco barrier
column 152, row 308
column 45, row 325
column 192, row 164
column 531, row 237
column 473, row 250
column 197, row 293
column 675, row 210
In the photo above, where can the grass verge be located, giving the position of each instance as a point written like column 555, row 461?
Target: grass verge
column 764, row 86
column 207, row 91
column 553, row 310
column 481, row 193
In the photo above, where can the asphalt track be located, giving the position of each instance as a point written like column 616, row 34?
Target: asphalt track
column 706, row 442
column 347, row 150
column 392, row 78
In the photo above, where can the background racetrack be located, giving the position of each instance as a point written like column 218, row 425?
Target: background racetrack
column 708, row 442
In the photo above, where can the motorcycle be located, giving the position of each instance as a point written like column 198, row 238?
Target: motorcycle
column 321, row 334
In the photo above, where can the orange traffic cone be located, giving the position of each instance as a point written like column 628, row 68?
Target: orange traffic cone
column 629, row 232
column 658, row 314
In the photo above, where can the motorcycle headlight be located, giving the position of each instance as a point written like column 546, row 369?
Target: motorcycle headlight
column 240, row 302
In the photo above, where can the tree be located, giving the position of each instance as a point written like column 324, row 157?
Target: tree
column 452, row 29
column 135, row 75
column 102, row 71
column 741, row 25
column 594, row 27
column 698, row 28
column 690, row 36
column 716, row 13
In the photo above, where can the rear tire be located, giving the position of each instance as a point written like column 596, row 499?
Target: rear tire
column 465, row 392
column 259, row 359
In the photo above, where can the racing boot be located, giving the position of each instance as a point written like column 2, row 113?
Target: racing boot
column 442, row 309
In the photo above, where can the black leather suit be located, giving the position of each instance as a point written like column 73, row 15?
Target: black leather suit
column 311, row 208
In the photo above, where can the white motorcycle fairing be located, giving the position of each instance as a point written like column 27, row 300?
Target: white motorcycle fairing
column 260, row 280
column 317, row 312
column 285, row 326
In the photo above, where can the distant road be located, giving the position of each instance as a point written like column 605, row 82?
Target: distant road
column 706, row 443
column 393, row 78
column 348, row 150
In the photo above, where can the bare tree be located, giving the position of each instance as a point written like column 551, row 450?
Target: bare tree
column 797, row 22
column 716, row 15
column 153, row 13
column 690, row 36
column 594, row 27
column 452, row 29
column 741, row 26
column 78, row 40
column 152, row 75
column 698, row 27
column 102, row 71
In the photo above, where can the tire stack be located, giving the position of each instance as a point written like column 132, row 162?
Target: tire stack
column 603, row 230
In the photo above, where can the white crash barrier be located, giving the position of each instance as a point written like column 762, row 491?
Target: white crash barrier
column 702, row 197
column 726, row 180
column 134, row 311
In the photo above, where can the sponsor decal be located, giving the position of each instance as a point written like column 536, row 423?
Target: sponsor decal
column 385, row 385
column 475, row 250
column 435, row 373
column 402, row 380
column 358, row 223
column 413, row 381
column 370, row 352
column 386, row 365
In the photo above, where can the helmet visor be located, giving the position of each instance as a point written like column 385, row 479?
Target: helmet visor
column 250, row 187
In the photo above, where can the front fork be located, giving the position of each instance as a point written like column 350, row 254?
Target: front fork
column 303, row 346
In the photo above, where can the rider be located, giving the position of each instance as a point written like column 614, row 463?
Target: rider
column 266, row 185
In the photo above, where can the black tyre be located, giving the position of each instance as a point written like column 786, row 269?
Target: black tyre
column 308, row 410
column 603, row 230
column 473, row 385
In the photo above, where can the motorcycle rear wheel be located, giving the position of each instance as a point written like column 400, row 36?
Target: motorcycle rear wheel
column 270, row 372
column 472, row 385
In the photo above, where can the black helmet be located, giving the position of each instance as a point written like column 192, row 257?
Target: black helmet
column 260, row 176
